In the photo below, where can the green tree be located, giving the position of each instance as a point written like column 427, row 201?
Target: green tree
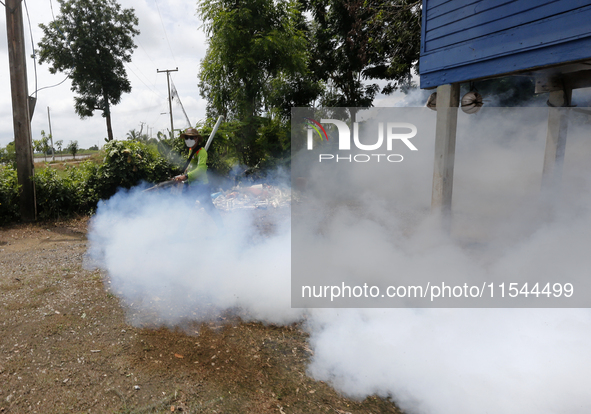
column 42, row 145
column 37, row 145
column 340, row 51
column 356, row 42
column 45, row 144
column 394, row 29
column 91, row 40
column 133, row 135
column 250, row 43
column 73, row 148
column 59, row 143
column 255, row 47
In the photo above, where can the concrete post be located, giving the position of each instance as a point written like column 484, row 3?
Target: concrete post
column 448, row 100
column 555, row 139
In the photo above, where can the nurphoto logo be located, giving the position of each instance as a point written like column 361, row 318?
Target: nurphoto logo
column 389, row 132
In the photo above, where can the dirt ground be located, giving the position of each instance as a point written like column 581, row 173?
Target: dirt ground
column 65, row 346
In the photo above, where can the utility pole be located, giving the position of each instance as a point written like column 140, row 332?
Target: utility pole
column 169, row 97
column 21, row 114
column 51, row 136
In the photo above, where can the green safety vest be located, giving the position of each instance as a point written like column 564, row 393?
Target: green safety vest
column 197, row 171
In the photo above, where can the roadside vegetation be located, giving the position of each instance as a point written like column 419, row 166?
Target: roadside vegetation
column 249, row 80
column 65, row 188
column 263, row 58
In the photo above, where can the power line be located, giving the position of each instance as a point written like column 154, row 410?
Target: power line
column 146, row 52
column 57, row 84
column 145, row 84
column 57, row 27
column 51, row 5
column 32, row 46
column 163, row 28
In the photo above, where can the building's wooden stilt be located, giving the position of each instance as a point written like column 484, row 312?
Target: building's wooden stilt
column 555, row 139
column 448, row 100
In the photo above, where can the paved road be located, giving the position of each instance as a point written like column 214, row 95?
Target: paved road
column 62, row 157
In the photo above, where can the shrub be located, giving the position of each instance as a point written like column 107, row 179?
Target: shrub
column 56, row 196
column 79, row 189
column 82, row 178
column 126, row 164
column 8, row 155
column 9, row 203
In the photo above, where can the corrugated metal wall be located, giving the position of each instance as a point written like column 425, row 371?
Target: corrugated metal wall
column 468, row 39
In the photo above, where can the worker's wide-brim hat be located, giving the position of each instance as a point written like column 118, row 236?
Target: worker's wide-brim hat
column 190, row 133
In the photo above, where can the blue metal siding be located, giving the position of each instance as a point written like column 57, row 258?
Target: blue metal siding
column 470, row 39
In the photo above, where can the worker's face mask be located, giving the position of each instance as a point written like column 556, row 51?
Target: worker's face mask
column 190, row 143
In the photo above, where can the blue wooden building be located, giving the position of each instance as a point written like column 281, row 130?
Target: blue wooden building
column 474, row 39
column 468, row 40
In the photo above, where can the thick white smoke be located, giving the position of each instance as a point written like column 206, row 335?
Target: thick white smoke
column 170, row 263
column 458, row 360
column 443, row 361
column 169, row 260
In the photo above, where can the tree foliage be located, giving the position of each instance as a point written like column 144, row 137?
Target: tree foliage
column 355, row 42
column 135, row 135
column 256, row 61
column 91, row 40
column 78, row 189
column 73, row 148
column 42, row 145
column 251, row 43
column 265, row 57
column 8, row 155
column 394, row 30
column 266, row 54
column 340, row 52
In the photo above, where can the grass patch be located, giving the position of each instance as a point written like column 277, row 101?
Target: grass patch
column 62, row 165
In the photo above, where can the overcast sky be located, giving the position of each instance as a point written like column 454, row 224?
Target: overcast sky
column 170, row 36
